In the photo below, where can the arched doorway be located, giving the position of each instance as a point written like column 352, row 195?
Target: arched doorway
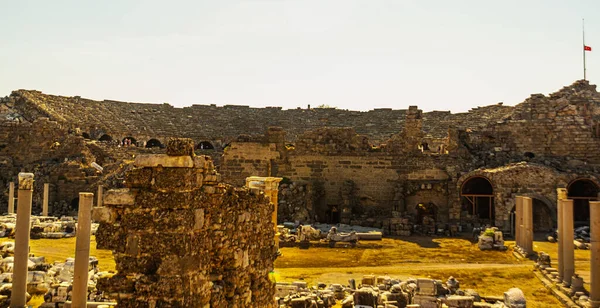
column 132, row 141
column 477, row 198
column 153, row 143
column 205, row 145
column 106, row 138
column 582, row 191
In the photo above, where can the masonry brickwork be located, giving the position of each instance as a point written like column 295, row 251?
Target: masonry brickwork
column 183, row 239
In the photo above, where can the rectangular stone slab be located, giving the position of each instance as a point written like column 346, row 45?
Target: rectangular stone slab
column 155, row 160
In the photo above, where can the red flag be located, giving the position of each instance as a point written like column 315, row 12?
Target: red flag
column 587, row 48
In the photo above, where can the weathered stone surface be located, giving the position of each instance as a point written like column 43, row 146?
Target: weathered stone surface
column 103, row 214
column 121, row 197
column 182, row 233
column 166, row 161
column 180, row 147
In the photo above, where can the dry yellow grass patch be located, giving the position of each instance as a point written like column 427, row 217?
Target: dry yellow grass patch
column 488, row 272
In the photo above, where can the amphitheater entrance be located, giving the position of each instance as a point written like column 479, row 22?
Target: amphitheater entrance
column 477, row 199
column 154, row 143
column 106, row 138
column 582, row 191
column 205, row 145
column 132, row 141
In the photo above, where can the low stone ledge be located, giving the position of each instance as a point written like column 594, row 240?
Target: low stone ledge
column 164, row 160
column 119, row 197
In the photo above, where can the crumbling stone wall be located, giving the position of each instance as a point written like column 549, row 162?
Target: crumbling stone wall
column 183, row 239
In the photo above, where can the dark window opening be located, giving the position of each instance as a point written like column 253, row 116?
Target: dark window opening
column 582, row 192
column 129, row 141
column 86, row 136
column 154, row 143
column 334, row 214
column 74, row 205
column 426, row 210
column 477, row 198
column 205, row 145
column 106, row 138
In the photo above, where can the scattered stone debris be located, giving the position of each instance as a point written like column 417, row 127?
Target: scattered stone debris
column 387, row 292
column 581, row 237
column 43, row 226
column 575, row 293
column 491, row 238
column 53, row 281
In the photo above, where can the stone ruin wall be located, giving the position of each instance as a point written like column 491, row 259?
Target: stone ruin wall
column 183, row 239
column 558, row 132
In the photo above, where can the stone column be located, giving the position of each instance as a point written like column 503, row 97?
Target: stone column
column 45, row 204
column 19, row 286
column 82, row 251
column 595, row 253
column 519, row 220
column 100, row 195
column 568, row 246
column 11, row 197
column 270, row 186
column 528, row 224
column 561, row 194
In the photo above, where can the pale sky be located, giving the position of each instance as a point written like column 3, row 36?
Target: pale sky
column 358, row 55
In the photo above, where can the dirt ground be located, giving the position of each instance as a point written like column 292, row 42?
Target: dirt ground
column 488, row 272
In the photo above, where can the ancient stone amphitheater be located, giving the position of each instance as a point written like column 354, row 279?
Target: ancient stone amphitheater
column 370, row 168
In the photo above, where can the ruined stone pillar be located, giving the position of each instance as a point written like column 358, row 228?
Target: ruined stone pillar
column 561, row 194
column 270, row 186
column 19, row 286
column 595, row 253
column 528, row 225
column 11, row 198
column 568, row 246
column 45, row 203
column 99, row 194
column 519, row 220
column 82, row 251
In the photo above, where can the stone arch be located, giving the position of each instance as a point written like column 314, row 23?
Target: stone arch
column 544, row 213
column 477, row 198
column 133, row 140
column 582, row 191
column 152, row 143
column 205, row 145
column 105, row 137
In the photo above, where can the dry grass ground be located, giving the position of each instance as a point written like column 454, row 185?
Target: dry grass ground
column 488, row 272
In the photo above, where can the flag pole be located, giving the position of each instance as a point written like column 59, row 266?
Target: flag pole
column 583, row 33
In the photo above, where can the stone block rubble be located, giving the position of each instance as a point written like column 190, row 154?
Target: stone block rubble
column 43, row 226
column 387, row 292
column 183, row 239
column 53, row 281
